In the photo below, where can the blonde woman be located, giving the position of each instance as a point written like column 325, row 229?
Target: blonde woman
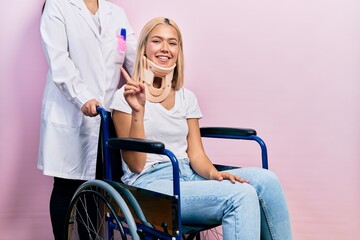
column 248, row 202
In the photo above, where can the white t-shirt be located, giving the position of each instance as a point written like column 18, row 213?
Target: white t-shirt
column 166, row 126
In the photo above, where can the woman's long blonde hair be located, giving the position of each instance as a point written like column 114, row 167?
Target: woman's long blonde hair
column 178, row 78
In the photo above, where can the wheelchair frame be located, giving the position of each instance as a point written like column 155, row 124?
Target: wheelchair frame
column 120, row 210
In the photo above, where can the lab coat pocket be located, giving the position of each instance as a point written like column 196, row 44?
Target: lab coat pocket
column 119, row 57
column 120, row 49
column 64, row 113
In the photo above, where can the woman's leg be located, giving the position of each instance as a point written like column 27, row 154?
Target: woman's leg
column 275, row 221
column 235, row 206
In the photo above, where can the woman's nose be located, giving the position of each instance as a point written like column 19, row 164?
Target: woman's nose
column 164, row 47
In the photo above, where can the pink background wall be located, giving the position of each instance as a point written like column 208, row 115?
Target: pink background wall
column 290, row 69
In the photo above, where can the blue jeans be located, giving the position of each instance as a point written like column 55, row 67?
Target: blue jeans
column 253, row 211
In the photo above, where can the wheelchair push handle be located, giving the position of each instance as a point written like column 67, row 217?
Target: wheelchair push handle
column 102, row 112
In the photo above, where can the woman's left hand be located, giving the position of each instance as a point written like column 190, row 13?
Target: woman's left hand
column 225, row 175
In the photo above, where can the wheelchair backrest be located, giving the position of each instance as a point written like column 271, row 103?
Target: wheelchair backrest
column 110, row 158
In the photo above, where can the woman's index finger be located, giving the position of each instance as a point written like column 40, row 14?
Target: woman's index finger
column 126, row 75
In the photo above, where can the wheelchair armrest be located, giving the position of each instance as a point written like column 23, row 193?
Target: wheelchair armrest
column 148, row 146
column 138, row 145
column 237, row 133
column 224, row 132
column 221, row 167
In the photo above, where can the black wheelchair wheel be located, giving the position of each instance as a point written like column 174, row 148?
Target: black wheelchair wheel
column 97, row 211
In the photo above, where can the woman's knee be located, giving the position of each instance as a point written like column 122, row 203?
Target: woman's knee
column 242, row 194
column 269, row 180
column 261, row 178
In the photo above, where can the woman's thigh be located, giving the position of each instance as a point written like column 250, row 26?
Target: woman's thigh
column 207, row 201
column 202, row 201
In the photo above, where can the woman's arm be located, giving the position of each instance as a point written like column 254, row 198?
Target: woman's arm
column 199, row 160
column 132, row 125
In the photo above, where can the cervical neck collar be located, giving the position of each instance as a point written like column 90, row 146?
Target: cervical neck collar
column 152, row 71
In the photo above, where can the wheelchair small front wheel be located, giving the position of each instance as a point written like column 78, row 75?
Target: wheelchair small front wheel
column 97, row 211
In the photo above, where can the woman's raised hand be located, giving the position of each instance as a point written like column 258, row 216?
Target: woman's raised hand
column 134, row 92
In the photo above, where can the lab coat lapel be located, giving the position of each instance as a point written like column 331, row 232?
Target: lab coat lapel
column 105, row 11
column 84, row 12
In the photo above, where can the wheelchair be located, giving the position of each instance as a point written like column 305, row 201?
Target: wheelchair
column 109, row 209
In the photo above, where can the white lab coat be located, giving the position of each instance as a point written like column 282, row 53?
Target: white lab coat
column 83, row 64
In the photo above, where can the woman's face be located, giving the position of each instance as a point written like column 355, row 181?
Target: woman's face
column 162, row 46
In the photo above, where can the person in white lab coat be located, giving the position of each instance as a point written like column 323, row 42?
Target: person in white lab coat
column 85, row 43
